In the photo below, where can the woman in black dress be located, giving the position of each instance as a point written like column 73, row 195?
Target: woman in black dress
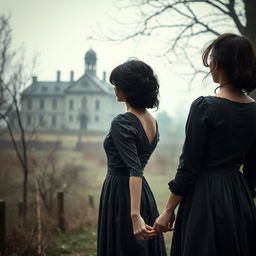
column 127, row 208
column 217, row 215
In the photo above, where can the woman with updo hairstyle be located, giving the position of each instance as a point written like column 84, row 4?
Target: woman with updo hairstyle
column 215, row 181
column 127, row 209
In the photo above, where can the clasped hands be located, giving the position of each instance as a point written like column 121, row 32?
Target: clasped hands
column 163, row 223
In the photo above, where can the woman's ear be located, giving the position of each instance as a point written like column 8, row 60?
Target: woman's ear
column 120, row 96
column 215, row 71
column 216, row 65
column 213, row 65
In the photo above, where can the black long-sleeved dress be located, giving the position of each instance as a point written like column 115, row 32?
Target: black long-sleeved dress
column 217, row 216
column 128, row 150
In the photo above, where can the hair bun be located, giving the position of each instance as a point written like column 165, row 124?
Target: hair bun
column 137, row 81
column 236, row 56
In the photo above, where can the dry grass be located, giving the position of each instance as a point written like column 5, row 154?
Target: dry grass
column 79, row 211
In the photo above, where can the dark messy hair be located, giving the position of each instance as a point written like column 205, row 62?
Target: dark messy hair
column 236, row 56
column 138, row 82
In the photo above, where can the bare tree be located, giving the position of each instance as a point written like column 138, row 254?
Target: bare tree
column 13, row 79
column 51, row 177
column 186, row 24
column 194, row 17
column 5, row 54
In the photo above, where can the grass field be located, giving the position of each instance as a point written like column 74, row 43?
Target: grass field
column 160, row 169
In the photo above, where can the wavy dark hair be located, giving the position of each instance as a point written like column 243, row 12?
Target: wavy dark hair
column 236, row 56
column 138, row 82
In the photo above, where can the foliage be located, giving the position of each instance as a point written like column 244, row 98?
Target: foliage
column 81, row 242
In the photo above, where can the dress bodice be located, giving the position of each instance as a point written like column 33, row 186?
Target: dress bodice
column 127, row 146
column 220, row 137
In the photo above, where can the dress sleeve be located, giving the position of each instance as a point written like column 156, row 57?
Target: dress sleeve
column 249, row 169
column 125, row 140
column 193, row 148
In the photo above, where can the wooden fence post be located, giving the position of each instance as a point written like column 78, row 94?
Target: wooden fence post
column 91, row 201
column 2, row 227
column 61, row 211
column 21, row 210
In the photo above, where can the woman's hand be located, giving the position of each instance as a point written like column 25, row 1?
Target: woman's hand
column 165, row 221
column 141, row 230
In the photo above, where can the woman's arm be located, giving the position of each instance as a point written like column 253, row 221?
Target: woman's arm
column 125, row 140
column 165, row 221
column 173, row 202
column 141, row 230
column 190, row 161
column 135, row 195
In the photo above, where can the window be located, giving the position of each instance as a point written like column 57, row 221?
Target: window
column 29, row 103
column 71, row 104
column 41, row 104
column 97, row 104
column 70, row 118
column 96, row 118
column 84, row 103
column 44, row 89
column 28, row 120
column 54, row 104
column 41, row 121
column 54, row 121
column 57, row 88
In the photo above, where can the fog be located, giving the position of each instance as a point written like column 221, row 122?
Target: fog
column 60, row 32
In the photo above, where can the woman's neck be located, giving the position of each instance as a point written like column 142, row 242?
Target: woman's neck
column 135, row 110
column 234, row 94
column 228, row 88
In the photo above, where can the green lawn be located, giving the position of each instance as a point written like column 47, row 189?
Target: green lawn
column 79, row 243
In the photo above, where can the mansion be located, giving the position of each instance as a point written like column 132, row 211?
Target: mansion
column 87, row 104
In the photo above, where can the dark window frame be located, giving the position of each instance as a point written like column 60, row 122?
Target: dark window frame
column 71, row 104
column 41, row 104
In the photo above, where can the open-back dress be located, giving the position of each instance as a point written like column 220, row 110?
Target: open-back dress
column 217, row 216
column 128, row 150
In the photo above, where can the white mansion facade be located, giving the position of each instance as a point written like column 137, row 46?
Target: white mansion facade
column 88, row 104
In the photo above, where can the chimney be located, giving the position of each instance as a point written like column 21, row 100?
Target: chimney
column 34, row 79
column 104, row 76
column 58, row 76
column 71, row 76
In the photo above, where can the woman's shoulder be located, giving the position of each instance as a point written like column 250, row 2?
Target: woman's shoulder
column 126, row 117
column 204, row 100
column 204, row 106
column 225, row 104
column 217, row 106
column 211, row 101
column 124, row 121
column 201, row 102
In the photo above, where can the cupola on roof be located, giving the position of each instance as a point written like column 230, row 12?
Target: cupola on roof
column 90, row 57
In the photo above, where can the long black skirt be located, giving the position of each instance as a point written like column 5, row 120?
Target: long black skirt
column 115, row 233
column 217, row 218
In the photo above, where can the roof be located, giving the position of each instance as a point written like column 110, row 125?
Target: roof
column 106, row 87
column 47, row 88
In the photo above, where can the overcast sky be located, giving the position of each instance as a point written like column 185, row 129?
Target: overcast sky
column 59, row 29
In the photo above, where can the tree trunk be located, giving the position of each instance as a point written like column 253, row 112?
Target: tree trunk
column 25, row 189
column 250, row 26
